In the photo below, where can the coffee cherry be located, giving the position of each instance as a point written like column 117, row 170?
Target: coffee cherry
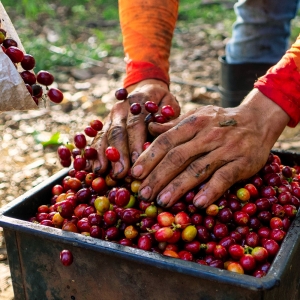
column 91, row 132
column 151, row 107
column 37, row 90
column 167, row 111
column 2, row 35
column 66, row 257
column 9, row 42
column 55, row 95
column 80, row 140
column 112, row 154
column 79, row 163
column 99, row 185
column 15, row 54
column 248, row 262
column 160, row 119
column 96, row 125
column 63, row 152
column 135, row 108
column 243, row 194
column 28, row 77
column 121, row 94
column 122, row 197
column 44, row 78
column 146, row 145
column 28, row 62
column 90, row 153
column 235, row 267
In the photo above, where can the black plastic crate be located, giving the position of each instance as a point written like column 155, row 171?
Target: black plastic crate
column 105, row 270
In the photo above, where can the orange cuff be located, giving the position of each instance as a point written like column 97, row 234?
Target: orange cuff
column 137, row 71
column 147, row 28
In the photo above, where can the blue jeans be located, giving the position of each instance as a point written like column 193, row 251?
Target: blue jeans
column 261, row 31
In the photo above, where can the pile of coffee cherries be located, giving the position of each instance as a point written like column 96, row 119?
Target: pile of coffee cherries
column 34, row 82
column 241, row 232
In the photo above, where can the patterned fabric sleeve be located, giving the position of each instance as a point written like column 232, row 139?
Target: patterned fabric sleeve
column 282, row 83
column 147, row 28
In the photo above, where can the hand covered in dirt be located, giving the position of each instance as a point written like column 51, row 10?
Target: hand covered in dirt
column 211, row 145
column 127, row 132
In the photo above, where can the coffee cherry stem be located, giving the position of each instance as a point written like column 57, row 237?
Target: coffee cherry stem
column 248, row 250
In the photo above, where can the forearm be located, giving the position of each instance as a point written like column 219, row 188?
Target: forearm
column 281, row 84
column 147, row 28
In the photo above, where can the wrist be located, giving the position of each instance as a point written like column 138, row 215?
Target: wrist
column 154, row 82
column 270, row 118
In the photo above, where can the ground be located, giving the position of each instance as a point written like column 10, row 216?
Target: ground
column 89, row 93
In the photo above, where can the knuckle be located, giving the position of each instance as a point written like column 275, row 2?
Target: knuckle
column 176, row 158
column 163, row 141
column 214, row 134
column 138, row 97
column 116, row 132
column 228, row 176
column 197, row 170
column 133, row 121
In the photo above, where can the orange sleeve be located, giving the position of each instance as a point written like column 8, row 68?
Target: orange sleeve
column 282, row 83
column 147, row 27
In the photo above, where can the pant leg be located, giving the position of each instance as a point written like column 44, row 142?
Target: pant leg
column 261, row 31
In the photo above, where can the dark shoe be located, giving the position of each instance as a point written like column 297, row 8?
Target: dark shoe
column 236, row 80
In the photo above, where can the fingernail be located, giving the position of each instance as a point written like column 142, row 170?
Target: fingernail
column 97, row 166
column 145, row 193
column 118, row 168
column 200, row 201
column 137, row 171
column 164, row 198
column 134, row 156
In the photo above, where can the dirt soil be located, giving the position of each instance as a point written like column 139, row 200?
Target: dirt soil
column 89, row 93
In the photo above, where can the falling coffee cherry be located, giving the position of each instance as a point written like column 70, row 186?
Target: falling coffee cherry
column 96, row 124
column 55, row 95
column 66, row 257
column 44, row 78
column 90, row 131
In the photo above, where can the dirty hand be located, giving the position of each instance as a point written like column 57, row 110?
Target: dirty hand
column 127, row 132
column 218, row 146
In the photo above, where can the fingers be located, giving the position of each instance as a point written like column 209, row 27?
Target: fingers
column 197, row 172
column 156, row 129
column 218, row 184
column 162, row 146
column 179, row 167
column 117, row 137
column 100, row 143
column 136, row 126
column 114, row 134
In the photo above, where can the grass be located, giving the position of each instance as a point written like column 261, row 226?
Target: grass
column 74, row 32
